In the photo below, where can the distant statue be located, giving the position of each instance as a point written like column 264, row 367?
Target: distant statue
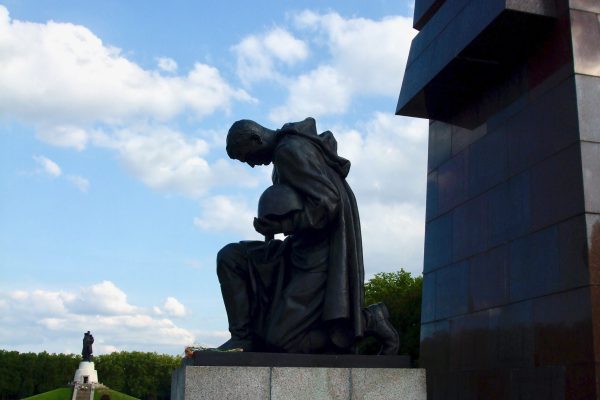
column 303, row 294
column 86, row 352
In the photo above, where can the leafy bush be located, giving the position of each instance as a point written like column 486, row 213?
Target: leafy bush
column 401, row 293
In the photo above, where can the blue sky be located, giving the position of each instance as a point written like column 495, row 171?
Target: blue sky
column 116, row 189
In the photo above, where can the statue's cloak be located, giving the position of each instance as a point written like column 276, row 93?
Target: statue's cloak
column 308, row 162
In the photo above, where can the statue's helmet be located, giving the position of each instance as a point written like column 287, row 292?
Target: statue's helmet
column 278, row 200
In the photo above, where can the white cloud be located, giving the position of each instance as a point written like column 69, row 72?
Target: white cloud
column 392, row 236
column 162, row 158
column 174, row 308
column 79, row 182
column 371, row 54
column 63, row 79
column 222, row 213
column 52, row 169
column 63, row 136
column 388, row 155
column 320, row 92
column 365, row 57
column 259, row 55
column 103, row 298
column 388, row 175
column 48, row 166
column 53, row 318
column 167, row 64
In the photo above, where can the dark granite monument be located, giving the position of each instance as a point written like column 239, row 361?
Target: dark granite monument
column 303, row 294
column 511, row 302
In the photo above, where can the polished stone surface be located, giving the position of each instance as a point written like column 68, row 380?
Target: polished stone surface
column 279, row 383
column 511, row 290
column 216, row 383
column 450, row 61
column 310, row 383
column 257, row 359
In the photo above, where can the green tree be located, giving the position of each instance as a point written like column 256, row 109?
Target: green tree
column 401, row 293
column 142, row 375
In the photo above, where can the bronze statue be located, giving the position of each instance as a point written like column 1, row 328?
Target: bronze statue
column 303, row 294
column 86, row 352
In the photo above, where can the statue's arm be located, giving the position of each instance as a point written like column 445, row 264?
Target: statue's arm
column 301, row 166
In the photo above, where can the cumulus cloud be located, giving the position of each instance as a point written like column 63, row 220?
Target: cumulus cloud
column 223, row 213
column 388, row 155
column 174, row 308
column 365, row 57
column 388, row 175
column 103, row 298
column 392, row 236
column 52, row 317
column 167, row 64
column 371, row 53
column 77, row 91
column 259, row 55
column 58, row 74
column 79, row 182
column 52, row 169
column 48, row 166
column 322, row 91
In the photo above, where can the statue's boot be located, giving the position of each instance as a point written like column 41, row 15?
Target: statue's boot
column 377, row 324
column 237, row 305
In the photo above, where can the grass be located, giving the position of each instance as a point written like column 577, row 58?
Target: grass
column 114, row 395
column 66, row 393
column 56, row 394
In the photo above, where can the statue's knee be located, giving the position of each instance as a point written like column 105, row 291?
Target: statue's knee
column 227, row 258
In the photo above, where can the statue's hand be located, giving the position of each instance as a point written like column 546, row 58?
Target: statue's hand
column 266, row 226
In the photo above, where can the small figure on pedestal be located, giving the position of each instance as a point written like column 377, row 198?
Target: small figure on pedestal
column 86, row 352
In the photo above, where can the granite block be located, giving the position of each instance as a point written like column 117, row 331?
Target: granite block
column 385, row 384
column 472, row 342
column 509, row 209
column 534, row 265
column 488, row 280
column 585, row 5
column 452, row 290
column 563, row 328
column 435, row 339
column 470, row 230
column 438, row 243
column 590, row 158
column 453, row 181
column 431, row 209
column 296, row 360
column 573, row 257
column 440, row 144
column 463, row 137
column 546, row 383
column 310, row 383
column 585, row 30
column 424, row 9
column 488, row 162
column 515, row 335
column 232, row 383
column 557, row 188
column 552, row 117
column 593, row 247
column 428, row 297
column 588, row 104
column 282, row 383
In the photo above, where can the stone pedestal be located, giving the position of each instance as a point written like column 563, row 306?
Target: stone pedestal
column 86, row 373
column 270, row 382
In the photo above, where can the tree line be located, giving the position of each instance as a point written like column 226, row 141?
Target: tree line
column 138, row 374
